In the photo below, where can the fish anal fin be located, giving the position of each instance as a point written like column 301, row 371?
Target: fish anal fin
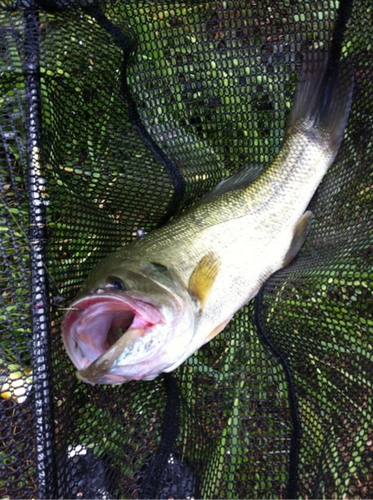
column 203, row 277
column 300, row 234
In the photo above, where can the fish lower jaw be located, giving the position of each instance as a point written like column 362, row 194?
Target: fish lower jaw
column 119, row 374
column 145, row 357
column 115, row 379
column 99, row 329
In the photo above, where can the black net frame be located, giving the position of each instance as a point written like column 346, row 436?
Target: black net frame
column 115, row 117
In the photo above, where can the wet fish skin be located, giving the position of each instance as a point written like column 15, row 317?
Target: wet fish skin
column 159, row 303
column 203, row 266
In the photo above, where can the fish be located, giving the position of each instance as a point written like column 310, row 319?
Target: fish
column 150, row 305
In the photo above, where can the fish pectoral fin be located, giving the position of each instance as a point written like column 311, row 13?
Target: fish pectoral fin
column 300, row 234
column 203, row 277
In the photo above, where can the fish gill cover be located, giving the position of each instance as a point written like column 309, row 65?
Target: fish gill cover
column 115, row 116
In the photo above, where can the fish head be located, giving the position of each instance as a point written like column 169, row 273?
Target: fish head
column 131, row 320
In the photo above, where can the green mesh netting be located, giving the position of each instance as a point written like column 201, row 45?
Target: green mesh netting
column 114, row 117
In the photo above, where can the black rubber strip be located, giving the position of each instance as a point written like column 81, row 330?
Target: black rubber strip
column 152, row 477
column 172, row 171
column 41, row 352
column 292, row 484
column 340, row 26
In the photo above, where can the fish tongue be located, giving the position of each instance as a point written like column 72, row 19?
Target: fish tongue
column 104, row 363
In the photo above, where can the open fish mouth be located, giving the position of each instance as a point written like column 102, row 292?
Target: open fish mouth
column 99, row 324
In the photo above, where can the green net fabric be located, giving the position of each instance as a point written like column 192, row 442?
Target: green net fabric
column 114, row 117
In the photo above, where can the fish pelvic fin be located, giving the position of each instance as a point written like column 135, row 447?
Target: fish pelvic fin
column 203, row 277
column 322, row 99
column 217, row 330
column 301, row 231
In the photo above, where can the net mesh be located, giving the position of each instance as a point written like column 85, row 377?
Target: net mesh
column 114, row 117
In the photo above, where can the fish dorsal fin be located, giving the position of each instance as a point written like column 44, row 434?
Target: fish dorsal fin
column 301, row 231
column 203, row 277
column 239, row 180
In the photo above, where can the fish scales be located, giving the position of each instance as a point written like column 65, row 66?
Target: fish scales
column 241, row 227
column 153, row 303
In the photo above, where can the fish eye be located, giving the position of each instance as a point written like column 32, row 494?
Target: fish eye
column 114, row 282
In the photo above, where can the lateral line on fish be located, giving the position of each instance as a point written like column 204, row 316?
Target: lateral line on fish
column 223, row 250
column 281, row 186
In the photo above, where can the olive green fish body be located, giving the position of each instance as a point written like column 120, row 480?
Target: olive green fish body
column 182, row 283
column 248, row 232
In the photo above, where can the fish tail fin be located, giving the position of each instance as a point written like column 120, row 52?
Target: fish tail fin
column 322, row 99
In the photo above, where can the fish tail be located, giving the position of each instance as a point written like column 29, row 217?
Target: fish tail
column 322, row 99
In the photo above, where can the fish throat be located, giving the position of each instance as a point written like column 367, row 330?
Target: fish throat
column 119, row 325
column 97, row 325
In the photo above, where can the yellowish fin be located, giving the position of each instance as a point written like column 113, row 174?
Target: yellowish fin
column 203, row 277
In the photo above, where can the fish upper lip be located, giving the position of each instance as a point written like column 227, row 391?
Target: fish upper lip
column 91, row 327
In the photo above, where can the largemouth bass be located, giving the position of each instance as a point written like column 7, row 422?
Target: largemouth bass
column 149, row 306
